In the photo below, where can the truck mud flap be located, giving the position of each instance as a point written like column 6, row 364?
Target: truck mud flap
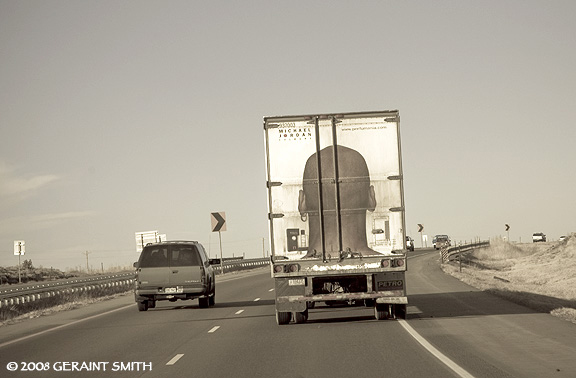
column 290, row 287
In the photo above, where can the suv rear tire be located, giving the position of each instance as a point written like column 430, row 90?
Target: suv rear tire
column 212, row 298
column 142, row 305
column 204, row 302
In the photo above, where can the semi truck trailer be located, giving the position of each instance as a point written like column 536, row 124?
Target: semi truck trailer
column 336, row 212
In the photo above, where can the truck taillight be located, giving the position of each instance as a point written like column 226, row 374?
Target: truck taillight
column 397, row 263
column 288, row 268
column 394, row 263
column 293, row 268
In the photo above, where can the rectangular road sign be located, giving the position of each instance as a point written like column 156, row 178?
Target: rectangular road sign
column 143, row 238
column 19, row 247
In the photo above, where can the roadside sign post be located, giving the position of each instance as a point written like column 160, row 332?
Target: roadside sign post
column 507, row 233
column 19, row 249
column 420, row 228
column 218, row 221
column 143, row 238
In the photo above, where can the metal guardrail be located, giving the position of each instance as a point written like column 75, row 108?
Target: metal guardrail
column 447, row 253
column 37, row 292
column 13, row 295
column 42, row 286
column 242, row 264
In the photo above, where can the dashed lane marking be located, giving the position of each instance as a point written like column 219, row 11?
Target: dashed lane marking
column 256, row 300
column 214, row 329
column 271, row 289
column 174, row 359
column 239, row 312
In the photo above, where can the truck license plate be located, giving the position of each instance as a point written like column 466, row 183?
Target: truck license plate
column 296, row 282
column 174, row 290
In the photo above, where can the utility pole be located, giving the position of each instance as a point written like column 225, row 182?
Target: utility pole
column 87, row 265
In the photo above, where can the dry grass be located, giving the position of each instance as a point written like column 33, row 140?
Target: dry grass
column 541, row 276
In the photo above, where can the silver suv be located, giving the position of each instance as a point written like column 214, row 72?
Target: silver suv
column 174, row 270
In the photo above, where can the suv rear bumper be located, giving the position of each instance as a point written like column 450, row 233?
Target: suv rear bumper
column 155, row 295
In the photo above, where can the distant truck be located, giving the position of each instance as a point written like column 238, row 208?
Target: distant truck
column 538, row 237
column 336, row 212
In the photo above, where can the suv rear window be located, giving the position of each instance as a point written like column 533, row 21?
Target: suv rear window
column 173, row 255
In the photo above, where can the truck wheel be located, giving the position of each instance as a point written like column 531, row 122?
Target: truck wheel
column 151, row 304
column 142, row 305
column 369, row 302
column 283, row 317
column 400, row 311
column 381, row 312
column 311, row 305
column 301, row 317
column 203, row 302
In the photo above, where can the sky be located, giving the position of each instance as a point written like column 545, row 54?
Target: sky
column 119, row 117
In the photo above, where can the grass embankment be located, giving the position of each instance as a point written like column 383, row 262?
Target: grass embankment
column 541, row 276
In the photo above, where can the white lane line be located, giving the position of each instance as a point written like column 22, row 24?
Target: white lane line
column 62, row 326
column 214, row 329
column 239, row 312
column 435, row 352
column 174, row 359
column 256, row 300
column 271, row 290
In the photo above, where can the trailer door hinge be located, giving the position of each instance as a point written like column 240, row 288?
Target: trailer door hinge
column 398, row 177
column 270, row 184
column 275, row 215
column 396, row 209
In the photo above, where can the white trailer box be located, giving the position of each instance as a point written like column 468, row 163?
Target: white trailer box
column 336, row 211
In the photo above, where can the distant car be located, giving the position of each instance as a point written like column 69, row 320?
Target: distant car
column 441, row 241
column 562, row 238
column 174, row 270
column 409, row 243
column 538, row 237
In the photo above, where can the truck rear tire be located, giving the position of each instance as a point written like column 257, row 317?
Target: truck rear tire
column 400, row 311
column 283, row 317
column 381, row 312
column 301, row 317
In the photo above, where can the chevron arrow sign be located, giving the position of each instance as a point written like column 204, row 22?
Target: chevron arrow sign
column 218, row 221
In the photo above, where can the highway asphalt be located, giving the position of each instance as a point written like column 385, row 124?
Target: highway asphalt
column 451, row 330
